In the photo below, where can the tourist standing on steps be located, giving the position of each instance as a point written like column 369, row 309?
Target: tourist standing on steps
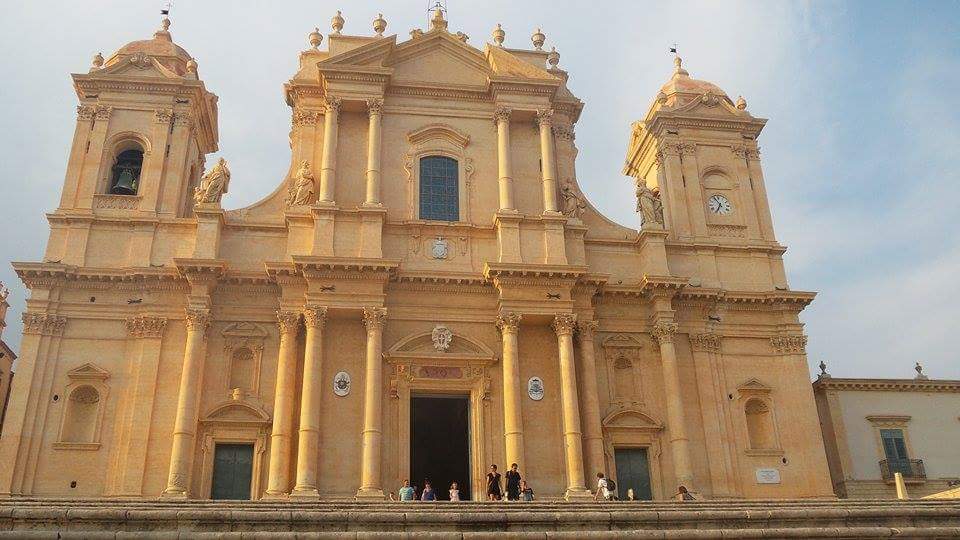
column 406, row 492
column 526, row 492
column 428, row 493
column 494, row 487
column 603, row 489
column 513, row 483
column 683, row 495
column 454, row 492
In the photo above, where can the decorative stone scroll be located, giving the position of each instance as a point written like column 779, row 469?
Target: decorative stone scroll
column 706, row 342
column 789, row 343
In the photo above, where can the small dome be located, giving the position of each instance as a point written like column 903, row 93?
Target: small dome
column 160, row 47
column 681, row 83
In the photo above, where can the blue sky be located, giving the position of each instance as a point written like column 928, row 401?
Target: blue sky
column 860, row 154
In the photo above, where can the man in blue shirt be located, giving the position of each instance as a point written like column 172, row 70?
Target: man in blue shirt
column 406, row 492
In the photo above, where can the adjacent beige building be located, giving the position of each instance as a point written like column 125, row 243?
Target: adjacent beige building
column 873, row 428
column 425, row 293
column 7, row 358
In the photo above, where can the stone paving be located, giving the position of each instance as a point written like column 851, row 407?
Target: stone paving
column 112, row 518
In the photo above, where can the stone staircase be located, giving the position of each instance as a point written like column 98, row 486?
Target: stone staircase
column 124, row 518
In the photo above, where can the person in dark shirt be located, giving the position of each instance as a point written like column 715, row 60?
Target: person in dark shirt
column 513, row 483
column 428, row 493
column 494, row 489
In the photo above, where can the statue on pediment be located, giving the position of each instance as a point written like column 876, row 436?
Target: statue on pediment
column 213, row 184
column 649, row 206
column 301, row 193
column 573, row 205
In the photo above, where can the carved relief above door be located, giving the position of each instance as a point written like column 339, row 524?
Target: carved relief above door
column 243, row 353
column 621, row 354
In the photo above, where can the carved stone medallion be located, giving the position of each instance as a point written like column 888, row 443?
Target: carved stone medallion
column 441, row 248
column 442, row 336
column 535, row 388
column 341, row 383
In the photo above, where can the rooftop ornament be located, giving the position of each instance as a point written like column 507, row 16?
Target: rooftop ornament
column 498, row 35
column 553, row 57
column 379, row 24
column 538, row 38
column 678, row 62
column 315, row 38
column 741, row 103
column 823, row 371
column 192, row 66
column 438, row 22
column 97, row 61
column 337, row 23
column 919, row 369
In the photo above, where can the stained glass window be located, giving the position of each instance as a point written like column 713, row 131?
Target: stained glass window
column 439, row 189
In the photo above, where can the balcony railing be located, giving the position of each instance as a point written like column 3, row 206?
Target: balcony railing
column 911, row 469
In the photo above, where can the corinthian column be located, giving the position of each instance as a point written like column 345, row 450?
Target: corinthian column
column 663, row 332
column 185, row 425
column 548, row 160
column 278, row 482
column 328, row 160
column 308, row 446
column 373, row 318
column 563, row 325
column 375, row 112
column 502, row 118
column 509, row 324
column 592, row 431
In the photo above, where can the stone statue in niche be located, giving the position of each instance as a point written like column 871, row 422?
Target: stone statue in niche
column 649, row 206
column 573, row 205
column 213, row 184
column 301, row 192
column 441, row 336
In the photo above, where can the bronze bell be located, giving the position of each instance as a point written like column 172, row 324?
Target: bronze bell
column 126, row 183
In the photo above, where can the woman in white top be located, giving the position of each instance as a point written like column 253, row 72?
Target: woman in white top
column 454, row 492
column 602, row 488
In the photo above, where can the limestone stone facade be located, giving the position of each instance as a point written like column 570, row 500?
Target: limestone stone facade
column 7, row 358
column 430, row 238
column 873, row 428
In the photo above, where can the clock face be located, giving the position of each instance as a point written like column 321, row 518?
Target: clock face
column 719, row 204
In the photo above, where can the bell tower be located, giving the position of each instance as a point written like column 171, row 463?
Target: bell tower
column 696, row 163
column 145, row 123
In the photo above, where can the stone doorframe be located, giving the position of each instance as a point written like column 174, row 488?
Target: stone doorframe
column 631, row 428
column 464, row 372
column 233, row 422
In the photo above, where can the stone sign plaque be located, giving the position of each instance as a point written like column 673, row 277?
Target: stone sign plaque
column 535, row 388
column 768, row 476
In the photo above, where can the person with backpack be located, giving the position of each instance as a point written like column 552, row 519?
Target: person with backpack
column 606, row 488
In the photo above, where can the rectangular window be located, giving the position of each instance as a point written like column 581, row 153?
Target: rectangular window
column 894, row 445
column 439, row 189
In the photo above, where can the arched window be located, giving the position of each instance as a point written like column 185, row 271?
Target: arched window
column 439, row 189
column 125, row 176
column 759, row 425
column 80, row 424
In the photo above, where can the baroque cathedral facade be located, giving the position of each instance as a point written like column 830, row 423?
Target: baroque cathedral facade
column 425, row 293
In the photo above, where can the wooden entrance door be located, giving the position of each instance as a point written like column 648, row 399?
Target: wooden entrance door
column 633, row 472
column 232, row 471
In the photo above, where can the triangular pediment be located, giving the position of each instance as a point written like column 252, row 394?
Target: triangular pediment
column 441, row 59
column 753, row 386
column 237, row 411
column 423, row 345
column 88, row 371
column 505, row 64
column 138, row 66
column 245, row 329
column 622, row 341
column 373, row 54
column 713, row 106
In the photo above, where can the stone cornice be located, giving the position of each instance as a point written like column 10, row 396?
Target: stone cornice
column 201, row 270
column 47, row 275
column 887, row 385
column 493, row 271
column 345, row 267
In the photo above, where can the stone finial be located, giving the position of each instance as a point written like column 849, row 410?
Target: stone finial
column 379, row 24
column 919, row 369
column 823, row 371
column 315, row 38
column 165, row 25
column 741, row 103
column 678, row 63
column 337, row 23
column 538, row 38
column 192, row 66
column 498, row 35
column 553, row 57
column 438, row 22
column 97, row 61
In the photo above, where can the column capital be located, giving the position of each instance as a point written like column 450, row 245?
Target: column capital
column 564, row 132
column 509, row 322
column 145, row 326
column 43, row 323
column 663, row 331
column 288, row 322
column 315, row 316
column 374, row 318
column 86, row 112
column 375, row 106
column 544, row 117
column 789, row 343
column 585, row 329
column 102, row 112
column 332, row 104
column 564, row 324
column 502, row 114
column 305, row 117
column 198, row 320
column 708, row 342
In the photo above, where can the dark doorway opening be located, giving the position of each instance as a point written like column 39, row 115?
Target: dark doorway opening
column 633, row 472
column 232, row 471
column 440, row 443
